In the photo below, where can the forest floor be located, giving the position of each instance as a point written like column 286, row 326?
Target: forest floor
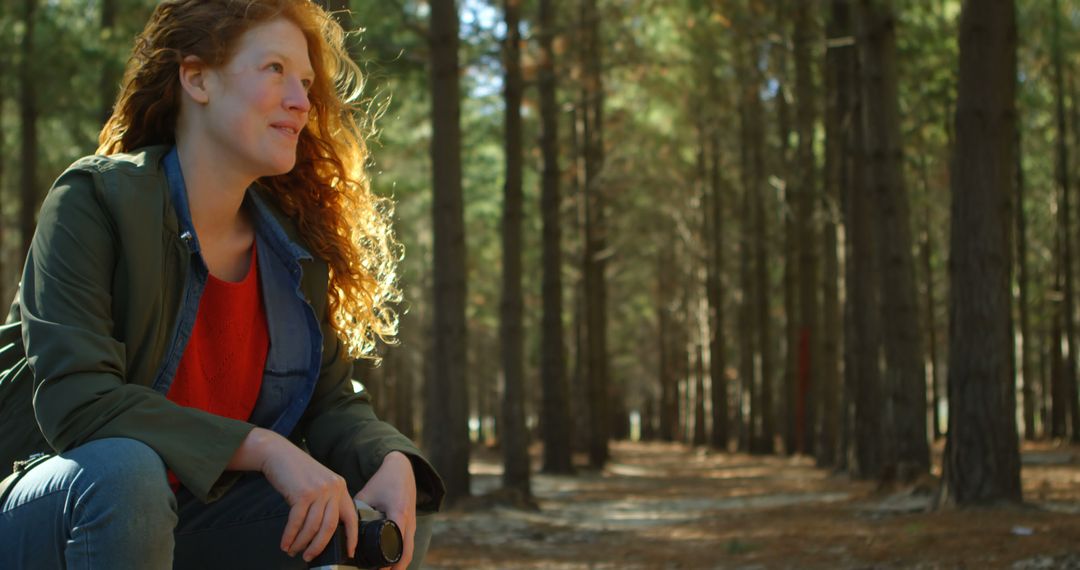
column 659, row 505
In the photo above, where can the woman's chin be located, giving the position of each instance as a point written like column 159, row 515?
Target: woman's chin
column 281, row 167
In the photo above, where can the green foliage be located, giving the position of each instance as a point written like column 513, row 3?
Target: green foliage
column 669, row 69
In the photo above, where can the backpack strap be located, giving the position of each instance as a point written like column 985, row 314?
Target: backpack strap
column 20, row 469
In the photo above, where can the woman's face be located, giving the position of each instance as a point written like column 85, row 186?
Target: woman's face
column 258, row 101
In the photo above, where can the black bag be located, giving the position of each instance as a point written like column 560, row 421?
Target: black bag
column 20, row 436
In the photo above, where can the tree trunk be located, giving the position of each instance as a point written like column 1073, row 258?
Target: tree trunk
column 685, row 356
column 1045, row 369
column 838, row 83
column 580, row 406
column 515, row 438
column 931, row 324
column 982, row 458
column 864, row 338
column 717, row 355
column 595, row 241
column 688, row 392
column 1065, row 406
column 763, row 406
column 793, row 407
column 28, row 115
column 805, row 222
column 1058, row 395
column 446, row 429
column 744, row 411
column 1074, row 385
column 699, row 398
column 4, row 280
column 1027, row 341
column 555, row 406
column 648, row 419
column 404, row 412
column 669, row 384
column 760, row 420
column 841, row 124
column 904, row 373
column 109, row 76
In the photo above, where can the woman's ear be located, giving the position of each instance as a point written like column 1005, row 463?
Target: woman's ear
column 193, row 75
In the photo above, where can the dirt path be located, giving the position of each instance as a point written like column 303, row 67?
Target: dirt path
column 670, row 506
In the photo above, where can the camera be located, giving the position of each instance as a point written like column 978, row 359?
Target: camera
column 379, row 543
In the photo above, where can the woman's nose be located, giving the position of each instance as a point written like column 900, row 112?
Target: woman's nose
column 296, row 99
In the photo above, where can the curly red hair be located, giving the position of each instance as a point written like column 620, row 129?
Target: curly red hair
column 327, row 193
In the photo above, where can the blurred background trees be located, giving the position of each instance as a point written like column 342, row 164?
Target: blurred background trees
column 724, row 222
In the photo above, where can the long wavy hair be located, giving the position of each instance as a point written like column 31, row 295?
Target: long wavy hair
column 327, row 193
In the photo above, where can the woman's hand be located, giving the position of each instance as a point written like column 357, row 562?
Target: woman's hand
column 392, row 490
column 318, row 497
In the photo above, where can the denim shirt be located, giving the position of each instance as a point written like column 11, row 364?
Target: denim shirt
column 295, row 351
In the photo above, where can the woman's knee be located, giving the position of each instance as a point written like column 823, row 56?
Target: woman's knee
column 122, row 467
column 123, row 464
column 108, row 500
column 125, row 474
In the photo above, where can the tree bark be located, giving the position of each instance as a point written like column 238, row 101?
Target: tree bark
column 838, row 120
column 763, row 406
column 931, row 324
column 759, row 422
column 805, row 221
column 446, row 429
column 4, row 280
column 717, row 355
column 904, row 373
column 1057, row 396
column 109, row 76
column 669, row 384
column 744, row 411
column 794, row 407
column 864, row 337
column 1065, row 405
column 699, row 396
column 404, row 413
column 579, row 402
column 841, row 123
column 595, row 241
column 1074, row 385
column 555, row 405
column 515, row 438
column 28, row 139
column 982, row 457
column 1027, row 341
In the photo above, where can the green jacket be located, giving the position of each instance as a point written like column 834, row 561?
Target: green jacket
column 97, row 310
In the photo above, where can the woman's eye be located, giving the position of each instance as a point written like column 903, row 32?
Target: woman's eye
column 307, row 84
column 276, row 68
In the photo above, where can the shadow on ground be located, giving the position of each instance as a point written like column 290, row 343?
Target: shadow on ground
column 661, row 505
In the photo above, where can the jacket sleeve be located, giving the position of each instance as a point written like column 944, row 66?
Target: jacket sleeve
column 81, row 390
column 344, row 434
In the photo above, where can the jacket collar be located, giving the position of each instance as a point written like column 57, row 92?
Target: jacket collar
column 267, row 224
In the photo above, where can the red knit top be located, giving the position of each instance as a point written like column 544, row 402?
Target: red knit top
column 222, row 366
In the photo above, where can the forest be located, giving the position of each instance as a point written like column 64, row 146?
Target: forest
column 831, row 241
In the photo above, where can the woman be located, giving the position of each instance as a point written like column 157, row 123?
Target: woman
column 189, row 307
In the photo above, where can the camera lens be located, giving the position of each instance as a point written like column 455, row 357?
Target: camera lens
column 381, row 543
column 390, row 542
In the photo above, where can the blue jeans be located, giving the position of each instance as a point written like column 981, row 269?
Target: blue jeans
column 108, row 505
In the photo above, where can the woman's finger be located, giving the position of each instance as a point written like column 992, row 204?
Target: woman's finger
column 297, row 515
column 326, row 531
column 312, row 524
